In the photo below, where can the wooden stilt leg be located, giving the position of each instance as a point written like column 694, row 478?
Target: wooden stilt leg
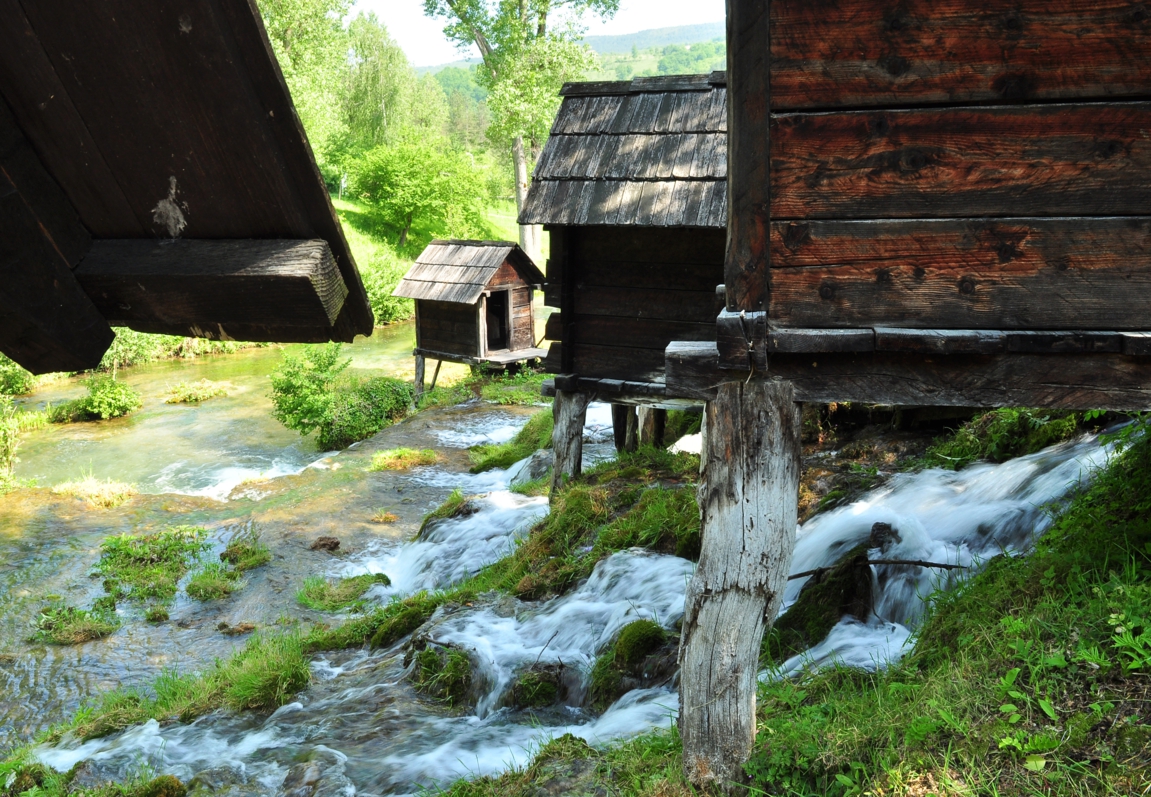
column 652, row 421
column 420, row 363
column 631, row 437
column 569, row 411
column 436, row 373
column 747, row 494
column 619, row 413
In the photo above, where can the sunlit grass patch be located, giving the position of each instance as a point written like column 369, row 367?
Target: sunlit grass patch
column 246, row 551
column 384, row 516
column 402, row 459
column 195, row 392
column 99, row 493
column 67, row 625
column 342, row 594
column 213, row 581
column 149, row 565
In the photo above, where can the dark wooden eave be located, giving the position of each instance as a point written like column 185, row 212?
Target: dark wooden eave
column 136, row 120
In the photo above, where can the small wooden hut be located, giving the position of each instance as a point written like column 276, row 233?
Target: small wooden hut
column 154, row 174
column 473, row 304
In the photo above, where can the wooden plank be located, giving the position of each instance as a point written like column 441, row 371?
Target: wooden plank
column 1029, row 273
column 645, row 333
column 800, row 341
column 1042, row 160
column 940, row 341
column 553, row 329
column 188, row 284
column 856, row 53
column 617, row 362
column 692, row 306
column 1062, row 342
column 1136, row 344
column 43, row 108
column 749, row 146
column 1059, row 381
column 625, row 244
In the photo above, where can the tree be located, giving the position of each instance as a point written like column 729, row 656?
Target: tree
column 524, row 65
column 417, row 180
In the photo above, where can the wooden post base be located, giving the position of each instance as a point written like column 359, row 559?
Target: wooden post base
column 420, row 365
column 624, row 427
column 748, row 493
column 652, row 421
column 569, row 411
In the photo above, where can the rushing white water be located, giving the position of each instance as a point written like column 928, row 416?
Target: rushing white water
column 371, row 733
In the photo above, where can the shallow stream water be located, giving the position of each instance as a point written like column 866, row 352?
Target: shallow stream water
column 361, row 725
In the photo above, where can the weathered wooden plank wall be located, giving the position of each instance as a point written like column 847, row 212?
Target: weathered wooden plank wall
column 448, row 327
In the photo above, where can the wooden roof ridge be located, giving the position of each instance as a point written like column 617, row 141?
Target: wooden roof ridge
column 458, row 271
column 644, row 152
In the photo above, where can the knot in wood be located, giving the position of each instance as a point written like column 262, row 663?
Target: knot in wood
column 827, row 291
column 967, row 286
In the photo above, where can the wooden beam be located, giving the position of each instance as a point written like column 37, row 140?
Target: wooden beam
column 238, row 289
column 1077, row 381
column 47, row 323
column 748, row 497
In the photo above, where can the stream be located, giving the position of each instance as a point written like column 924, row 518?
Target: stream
column 361, row 727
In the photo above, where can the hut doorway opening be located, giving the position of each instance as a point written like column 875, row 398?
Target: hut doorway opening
column 497, row 320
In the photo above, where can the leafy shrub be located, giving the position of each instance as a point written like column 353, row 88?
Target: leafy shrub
column 381, row 274
column 309, row 395
column 14, row 380
column 107, row 398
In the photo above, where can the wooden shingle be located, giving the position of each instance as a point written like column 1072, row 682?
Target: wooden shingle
column 459, row 271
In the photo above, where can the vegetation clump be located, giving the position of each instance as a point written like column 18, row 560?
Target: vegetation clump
column 311, row 393
column 539, row 686
column 149, row 566
column 213, row 581
column 99, row 493
column 443, row 673
column 625, row 657
column 384, row 516
column 9, row 439
column 455, row 505
column 107, row 398
column 341, row 595
column 402, row 459
column 508, row 388
column 67, row 625
column 195, row 392
column 1003, row 434
column 246, row 551
column 536, row 434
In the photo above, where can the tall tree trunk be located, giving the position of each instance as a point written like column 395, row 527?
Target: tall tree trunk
column 748, row 493
column 529, row 233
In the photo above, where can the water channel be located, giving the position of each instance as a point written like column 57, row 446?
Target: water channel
column 226, row 465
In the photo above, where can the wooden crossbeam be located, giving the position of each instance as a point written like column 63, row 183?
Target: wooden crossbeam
column 264, row 290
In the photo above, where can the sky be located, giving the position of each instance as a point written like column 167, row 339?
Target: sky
column 423, row 39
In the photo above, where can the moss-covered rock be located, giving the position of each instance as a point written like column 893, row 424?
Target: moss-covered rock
column 829, row 595
column 539, row 686
column 442, row 672
column 638, row 640
column 642, row 655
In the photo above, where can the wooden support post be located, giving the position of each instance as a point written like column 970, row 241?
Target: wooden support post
column 436, row 373
column 569, row 411
column 631, row 435
column 652, row 422
column 419, row 376
column 747, row 494
column 623, row 422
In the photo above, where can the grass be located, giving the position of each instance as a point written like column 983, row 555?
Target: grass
column 443, row 674
column 341, row 595
column 195, row 392
column 149, row 566
column 456, row 505
column 213, row 581
column 402, row 459
column 98, row 493
column 1002, row 434
column 246, row 551
column 67, row 625
column 498, row 387
column 634, row 643
column 25, row 775
column 384, row 516
column 536, row 434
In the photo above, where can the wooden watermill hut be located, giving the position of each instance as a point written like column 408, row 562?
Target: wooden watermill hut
column 473, row 304
column 632, row 187
column 154, row 174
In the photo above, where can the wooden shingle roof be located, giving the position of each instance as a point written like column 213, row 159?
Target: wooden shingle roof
column 649, row 152
column 459, row 271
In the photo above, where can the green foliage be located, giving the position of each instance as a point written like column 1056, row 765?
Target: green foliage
column 536, row 434
column 417, row 181
column 681, row 423
column 194, row 392
column 455, row 505
column 1000, row 435
column 150, row 565
column 538, row 686
column 308, row 394
column 246, row 551
column 402, row 459
column 107, row 398
column 137, row 348
column 156, row 614
column 442, row 673
column 213, row 581
column 341, row 595
column 9, row 439
column 14, row 380
column 67, row 625
column 625, row 656
column 677, row 59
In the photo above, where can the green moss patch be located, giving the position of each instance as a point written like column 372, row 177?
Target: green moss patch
column 617, row 669
column 67, row 625
column 1003, row 434
column 442, row 673
column 536, row 434
column 456, row 505
column 339, row 595
column 539, row 686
